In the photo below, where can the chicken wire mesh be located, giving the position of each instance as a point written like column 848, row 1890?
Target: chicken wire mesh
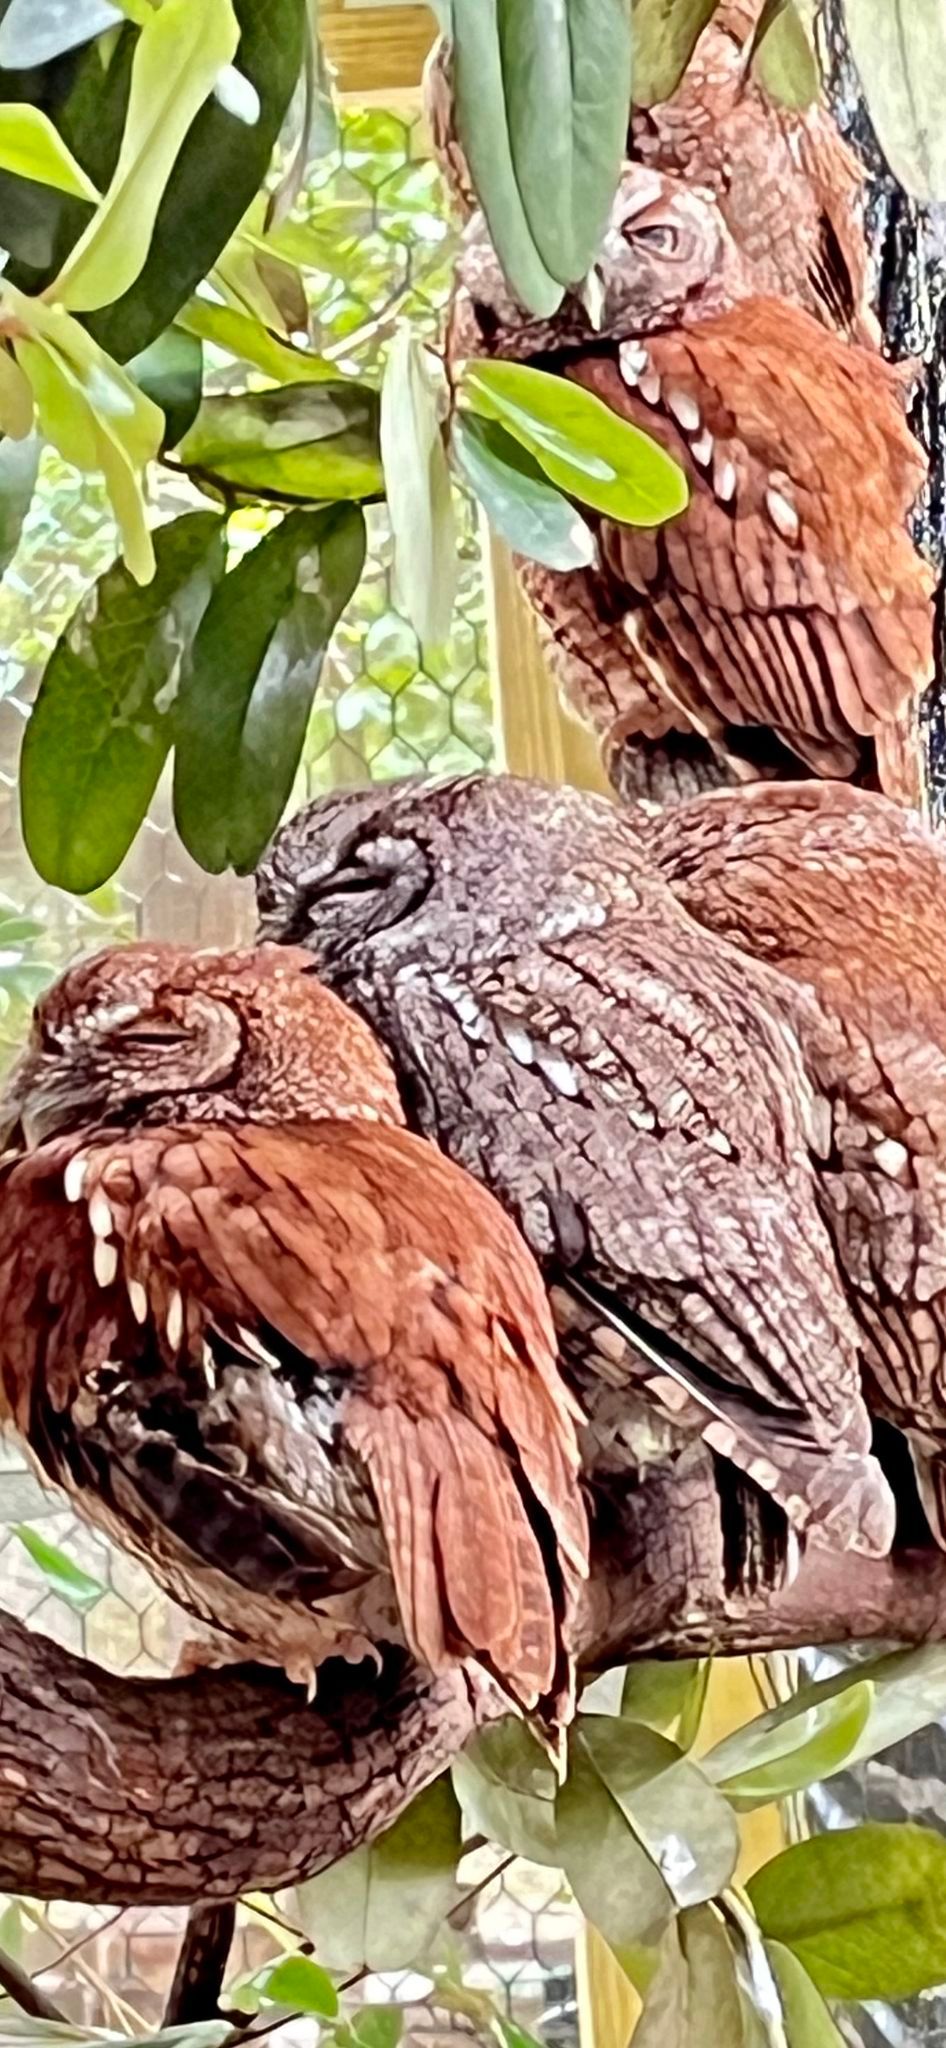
column 385, row 707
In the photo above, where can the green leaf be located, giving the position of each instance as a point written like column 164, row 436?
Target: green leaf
column 907, row 1693
column 763, row 1762
column 244, row 703
column 98, row 420
column 294, row 1982
column 584, row 447
column 567, row 88
column 808, row 2022
column 179, row 54
column 664, row 2021
column 378, row 2026
column 170, row 373
column 640, row 1830
column 31, row 147
column 218, row 171
column 506, row 1787
column 899, row 47
column 16, row 399
column 783, row 56
column 667, row 1696
column 34, row 31
column 309, row 442
column 696, row 1994
column 519, row 502
column 479, row 111
column 862, row 1908
column 250, row 342
column 67, row 1579
column 414, row 399
column 102, row 725
column 381, row 1907
column 666, row 33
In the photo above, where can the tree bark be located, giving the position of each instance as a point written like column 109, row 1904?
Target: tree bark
column 116, row 1790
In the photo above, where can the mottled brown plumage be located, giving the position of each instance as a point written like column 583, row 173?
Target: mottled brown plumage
column 846, row 894
column 630, row 1088
column 785, row 616
column 304, row 1367
column 788, row 187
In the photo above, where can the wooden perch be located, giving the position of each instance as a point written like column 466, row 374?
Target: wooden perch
column 118, row 1790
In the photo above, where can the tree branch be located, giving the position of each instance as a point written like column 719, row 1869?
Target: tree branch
column 201, row 1965
column 195, row 1790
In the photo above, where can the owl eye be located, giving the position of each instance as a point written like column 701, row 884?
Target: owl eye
column 659, row 236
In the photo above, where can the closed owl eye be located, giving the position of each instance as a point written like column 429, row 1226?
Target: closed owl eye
column 658, row 235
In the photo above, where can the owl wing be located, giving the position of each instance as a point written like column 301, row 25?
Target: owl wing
column 344, row 1312
column 642, row 1108
column 789, row 594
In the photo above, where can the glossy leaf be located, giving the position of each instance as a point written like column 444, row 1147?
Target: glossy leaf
column 295, row 1982
column 34, row 31
column 93, row 412
column 579, row 443
column 309, row 442
column 101, row 725
column 761, row 1762
column 808, row 2023
column 566, row 86
column 479, row 111
column 640, row 1830
column 907, row 1693
column 250, row 342
column 31, row 147
column 506, row 1787
column 179, row 54
column 666, row 33
column 667, row 1695
column 417, row 485
column 19, row 463
column 520, row 503
column 171, row 373
column 382, row 1906
column 899, row 47
column 783, row 56
column 244, row 702
column 68, row 1580
column 219, row 168
column 83, row 437
column 861, row 1908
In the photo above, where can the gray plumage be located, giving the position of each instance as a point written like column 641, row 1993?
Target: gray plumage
column 631, row 1089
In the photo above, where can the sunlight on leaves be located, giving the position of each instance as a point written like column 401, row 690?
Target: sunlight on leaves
column 579, row 443
column 178, row 57
column 861, row 1908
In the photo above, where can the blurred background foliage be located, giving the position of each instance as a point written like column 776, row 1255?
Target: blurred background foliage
column 385, row 706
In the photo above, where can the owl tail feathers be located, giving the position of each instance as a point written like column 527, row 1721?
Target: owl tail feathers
column 478, row 1573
